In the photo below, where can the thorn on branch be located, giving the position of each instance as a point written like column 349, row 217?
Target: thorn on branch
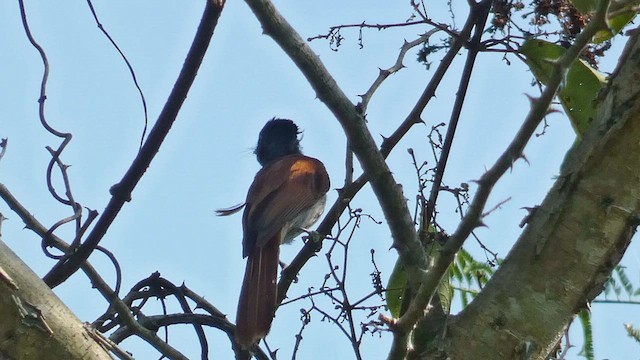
column 531, row 211
column 552, row 110
column 532, row 99
column 498, row 206
column 6, row 278
column 3, row 146
column 2, row 218
column 389, row 321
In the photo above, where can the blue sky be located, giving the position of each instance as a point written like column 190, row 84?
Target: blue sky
column 206, row 161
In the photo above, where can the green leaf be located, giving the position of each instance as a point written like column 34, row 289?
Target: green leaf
column 455, row 272
column 580, row 87
column 585, row 319
column 617, row 290
column 446, row 294
column 396, row 288
column 615, row 24
column 585, row 6
column 607, row 287
column 465, row 299
column 624, row 280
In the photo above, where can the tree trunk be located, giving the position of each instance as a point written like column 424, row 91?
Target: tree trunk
column 34, row 323
column 572, row 242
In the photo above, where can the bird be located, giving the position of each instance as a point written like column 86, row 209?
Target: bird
column 287, row 196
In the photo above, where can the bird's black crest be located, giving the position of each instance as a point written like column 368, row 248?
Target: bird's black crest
column 278, row 138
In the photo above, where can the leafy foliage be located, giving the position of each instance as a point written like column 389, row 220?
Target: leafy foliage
column 587, row 328
column 396, row 288
column 469, row 275
column 633, row 332
column 620, row 283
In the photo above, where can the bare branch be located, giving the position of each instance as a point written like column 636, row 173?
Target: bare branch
column 384, row 74
column 55, row 154
column 121, row 192
column 478, row 14
column 129, row 66
column 429, row 92
column 363, row 25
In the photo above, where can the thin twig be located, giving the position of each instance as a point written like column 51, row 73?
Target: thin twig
column 129, row 66
column 55, row 155
column 414, row 116
column 479, row 14
column 384, row 74
column 364, row 25
column 41, row 108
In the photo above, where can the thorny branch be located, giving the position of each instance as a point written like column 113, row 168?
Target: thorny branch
column 335, row 38
column 384, row 74
column 478, row 16
column 55, row 154
column 160, row 288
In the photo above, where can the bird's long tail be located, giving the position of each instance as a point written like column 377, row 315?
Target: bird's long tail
column 257, row 303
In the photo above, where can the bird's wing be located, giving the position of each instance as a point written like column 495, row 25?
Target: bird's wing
column 281, row 191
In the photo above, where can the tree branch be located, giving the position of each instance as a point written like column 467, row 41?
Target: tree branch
column 479, row 13
column 35, row 323
column 134, row 78
column 573, row 241
column 384, row 74
column 513, row 152
column 96, row 280
column 121, row 192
